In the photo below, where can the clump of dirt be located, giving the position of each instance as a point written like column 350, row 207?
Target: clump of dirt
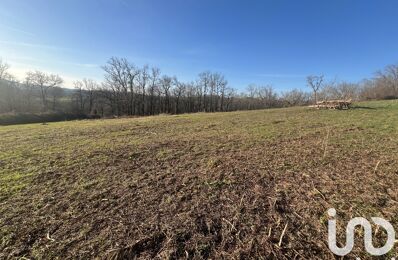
column 148, row 247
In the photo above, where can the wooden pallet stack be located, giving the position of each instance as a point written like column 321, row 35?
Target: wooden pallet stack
column 333, row 104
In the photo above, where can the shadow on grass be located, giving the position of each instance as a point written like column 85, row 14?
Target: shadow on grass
column 362, row 107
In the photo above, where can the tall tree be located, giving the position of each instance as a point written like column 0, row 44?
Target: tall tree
column 91, row 87
column 143, row 78
column 204, row 82
column 45, row 82
column 153, row 87
column 4, row 67
column 178, row 92
column 315, row 82
column 117, row 80
column 79, row 95
column 166, row 85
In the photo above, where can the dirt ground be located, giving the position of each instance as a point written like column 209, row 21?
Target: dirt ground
column 253, row 184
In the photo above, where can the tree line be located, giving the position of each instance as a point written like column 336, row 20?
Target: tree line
column 139, row 91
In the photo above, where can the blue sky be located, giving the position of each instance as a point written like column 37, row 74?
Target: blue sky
column 263, row 42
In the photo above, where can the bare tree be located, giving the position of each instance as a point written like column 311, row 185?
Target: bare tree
column 86, row 93
column 153, row 87
column 251, row 92
column 44, row 82
column 178, row 92
column 131, row 90
column 79, row 95
column 229, row 98
column 204, row 82
column 315, row 82
column 28, row 94
column 220, row 85
column 190, row 97
column 267, row 96
column 166, row 84
column 56, row 93
column 91, row 88
column 117, row 80
column 143, row 78
column 4, row 67
column 386, row 83
column 296, row 97
column 223, row 88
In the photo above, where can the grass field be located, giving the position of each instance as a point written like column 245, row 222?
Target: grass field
column 233, row 185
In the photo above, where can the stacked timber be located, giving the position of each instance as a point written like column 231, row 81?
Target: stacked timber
column 333, row 104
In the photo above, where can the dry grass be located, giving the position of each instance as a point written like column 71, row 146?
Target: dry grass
column 233, row 185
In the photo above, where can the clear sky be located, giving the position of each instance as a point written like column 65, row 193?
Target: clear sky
column 264, row 42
